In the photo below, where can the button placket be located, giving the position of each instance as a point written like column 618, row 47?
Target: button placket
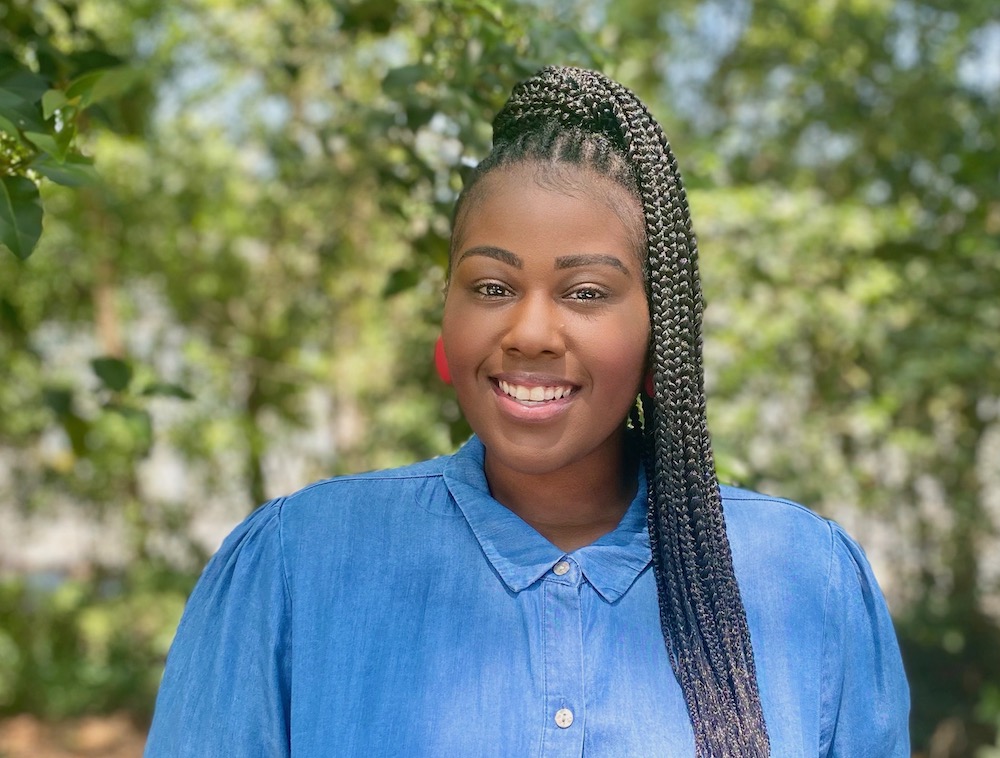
column 563, row 648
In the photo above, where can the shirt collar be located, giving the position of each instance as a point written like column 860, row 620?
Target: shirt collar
column 522, row 556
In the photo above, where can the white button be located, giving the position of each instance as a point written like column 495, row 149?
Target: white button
column 564, row 718
column 559, row 569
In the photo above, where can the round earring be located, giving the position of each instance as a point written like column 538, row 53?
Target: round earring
column 647, row 385
column 441, row 361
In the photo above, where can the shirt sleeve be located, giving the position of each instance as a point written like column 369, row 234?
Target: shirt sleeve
column 866, row 699
column 225, row 690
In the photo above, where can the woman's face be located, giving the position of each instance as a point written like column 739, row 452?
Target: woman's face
column 546, row 324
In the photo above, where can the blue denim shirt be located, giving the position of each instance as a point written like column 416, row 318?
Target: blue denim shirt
column 408, row 613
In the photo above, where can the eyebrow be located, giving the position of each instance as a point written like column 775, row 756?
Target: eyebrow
column 572, row 261
column 563, row 262
column 497, row 253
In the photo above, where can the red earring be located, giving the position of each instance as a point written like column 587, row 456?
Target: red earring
column 441, row 361
column 647, row 385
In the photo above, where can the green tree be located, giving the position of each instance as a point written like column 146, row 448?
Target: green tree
column 57, row 74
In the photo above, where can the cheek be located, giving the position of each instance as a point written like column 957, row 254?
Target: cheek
column 621, row 357
column 463, row 335
column 633, row 339
column 631, row 363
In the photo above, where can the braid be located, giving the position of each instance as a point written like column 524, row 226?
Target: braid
column 572, row 116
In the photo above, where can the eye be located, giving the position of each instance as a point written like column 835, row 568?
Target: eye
column 491, row 290
column 586, row 293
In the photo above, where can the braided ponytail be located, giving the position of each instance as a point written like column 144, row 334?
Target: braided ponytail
column 581, row 117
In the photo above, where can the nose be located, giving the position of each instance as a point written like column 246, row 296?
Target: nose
column 535, row 328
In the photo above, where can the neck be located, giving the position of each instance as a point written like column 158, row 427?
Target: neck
column 573, row 506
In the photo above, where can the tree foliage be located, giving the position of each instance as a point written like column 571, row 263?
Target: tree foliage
column 56, row 75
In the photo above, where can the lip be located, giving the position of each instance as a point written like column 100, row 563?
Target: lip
column 532, row 410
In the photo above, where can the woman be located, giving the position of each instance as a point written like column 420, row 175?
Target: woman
column 573, row 581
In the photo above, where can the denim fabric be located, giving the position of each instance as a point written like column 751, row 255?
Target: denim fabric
column 407, row 613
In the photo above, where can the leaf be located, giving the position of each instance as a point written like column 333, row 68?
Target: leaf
column 376, row 16
column 167, row 389
column 52, row 101
column 400, row 81
column 113, row 372
column 77, row 430
column 23, row 114
column 75, row 171
column 24, row 83
column 10, row 128
column 55, row 145
column 401, row 280
column 20, row 215
column 81, row 89
column 92, row 59
column 103, row 84
column 59, row 399
column 418, row 115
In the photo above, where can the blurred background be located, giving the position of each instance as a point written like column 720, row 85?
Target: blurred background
column 236, row 292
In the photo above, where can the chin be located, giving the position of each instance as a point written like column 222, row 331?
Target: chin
column 530, row 462
column 532, row 453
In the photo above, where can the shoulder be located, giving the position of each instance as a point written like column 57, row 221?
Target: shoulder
column 348, row 505
column 365, row 514
column 775, row 539
column 419, row 483
column 766, row 522
column 819, row 625
column 742, row 502
column 433, row 468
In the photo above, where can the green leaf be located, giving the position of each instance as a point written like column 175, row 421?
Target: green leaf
column 76, row 429
column 167, row 389
column 23, row 114
column 52, row 101
column 401, row 280
column 81, row 88
column 24, row 83
column 49, row 143
column 59, row 399
column 418, row 115
column 75, row 171
column 113, row 372
column 103, row 84
column 10, row 128
column 20, row 215
column 401, row 80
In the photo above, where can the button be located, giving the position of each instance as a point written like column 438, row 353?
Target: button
column 564, row 718
column 559, row 569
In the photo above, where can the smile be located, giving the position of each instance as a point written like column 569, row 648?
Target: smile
column 534, row 394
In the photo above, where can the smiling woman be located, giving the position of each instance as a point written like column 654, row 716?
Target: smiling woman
column 546, row 331
column 573, row 581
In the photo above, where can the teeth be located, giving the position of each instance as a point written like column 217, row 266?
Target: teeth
column 534, row 394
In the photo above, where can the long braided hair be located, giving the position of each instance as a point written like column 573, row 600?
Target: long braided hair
column 577, row 117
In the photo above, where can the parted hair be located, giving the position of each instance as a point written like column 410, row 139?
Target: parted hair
column 570, row 116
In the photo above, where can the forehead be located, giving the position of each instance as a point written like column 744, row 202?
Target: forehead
column 537, row 198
